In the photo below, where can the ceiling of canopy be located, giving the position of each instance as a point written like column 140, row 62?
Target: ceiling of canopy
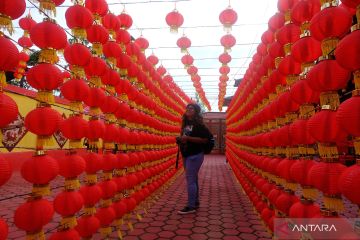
column 202, row 26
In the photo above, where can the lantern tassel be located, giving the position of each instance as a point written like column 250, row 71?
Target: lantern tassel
column 41, row 190
column 130, row 225
column 97, row 48
column 96, row 81
column 48, row 7
column 43, row 141
column 2, row 79
column 68, row 222
column 91, row 179
column 328, row 45
column 78, row 71
column 333, row 203
column 357, row 145
column 310, row 193
column 45, row 96
column 105, row 231
column 79, row 33
column 36, row 236
column 89, row 211
column 119, row 234
column 357, row 75
column 6, row 23
column 72, row 184
column 48, row 55
column 292, row 186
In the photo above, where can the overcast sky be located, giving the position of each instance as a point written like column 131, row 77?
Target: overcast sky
column 199, row 18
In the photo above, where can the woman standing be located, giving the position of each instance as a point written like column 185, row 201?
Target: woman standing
column 194, row 134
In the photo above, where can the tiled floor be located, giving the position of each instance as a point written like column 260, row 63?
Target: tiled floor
column 225, row 211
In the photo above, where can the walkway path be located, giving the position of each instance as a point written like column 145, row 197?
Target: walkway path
column 225, row 211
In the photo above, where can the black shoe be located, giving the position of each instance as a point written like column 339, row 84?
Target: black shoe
column 186, row 210
column 197, row 205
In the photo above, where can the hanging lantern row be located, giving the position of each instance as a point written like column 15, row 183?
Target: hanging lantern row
column 276, row 119
column 130, row 106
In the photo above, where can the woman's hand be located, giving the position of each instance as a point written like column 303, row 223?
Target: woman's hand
column 184, row 139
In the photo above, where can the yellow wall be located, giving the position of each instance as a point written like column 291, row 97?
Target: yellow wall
column 25, row 105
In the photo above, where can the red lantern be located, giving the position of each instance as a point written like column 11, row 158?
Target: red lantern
column 33, row 215
column 183, row 43
column 327, row 75
column 325, row 177
column 267, row 37
column 9, row 59
column 298, row 135
column 78, row 19
column 68, row 203
column 43, row 121
column 276, row 21
column 304, row 10
column 45, row 78
column 348, row 181
column 329, row 25
column 306, row 50
column 301, row 93
column 93, row 163
column 228, row 41
column 289, row 33
column 125, row 20
column 286, row 5
column 192, row 70
column 106, row 216
column 142, row 42
column 69, row 234
column 4, row 230
column 330, row 134
column 161, row 70
column 109, row 188
column 91, row 194
column 346, row 49
column 5, row 171
column 224, row 70
column 49, row 37
column 26, row 23
column 79, row 56
column 97, row 129
column 153, row 59
column 87, row 226
column 225, row 58
column 187, row 60
column 8, row 12
column 304, row 209
column 288, row 66
column 111, row 23
column 75, row 90
column 228, row 17
column 71, row 166
column 25, row 42
column 9, row 110
column 123, row 37
column 98, row 7
column 111, row 77
column 285, row 201
column 40, row 169
column 348, row 116
column 97, row 35
column 174, row 19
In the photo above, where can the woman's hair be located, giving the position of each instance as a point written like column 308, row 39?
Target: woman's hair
column 197, row 120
